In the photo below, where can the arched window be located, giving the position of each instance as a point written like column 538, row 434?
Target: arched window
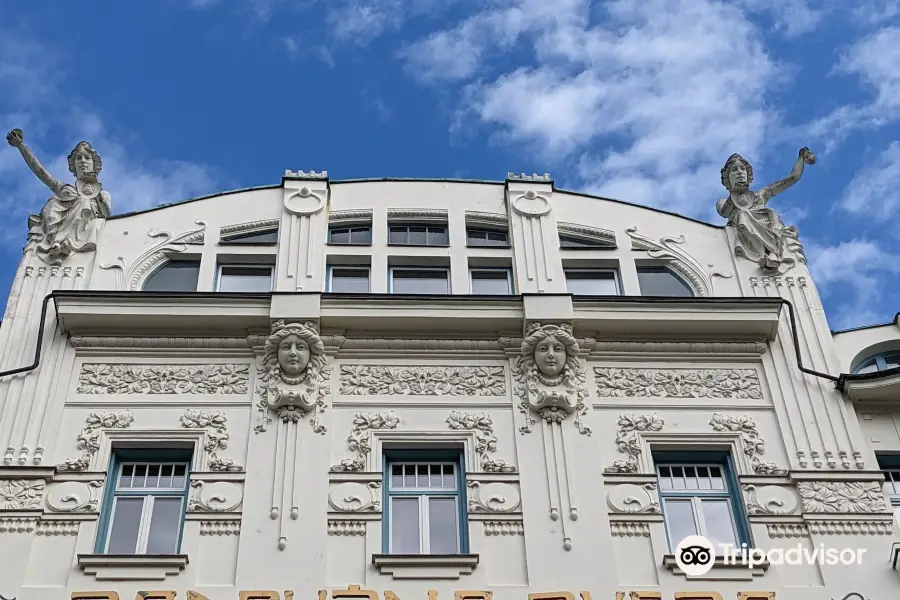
column 660, row 281
column 174, row 276
column 879, row 362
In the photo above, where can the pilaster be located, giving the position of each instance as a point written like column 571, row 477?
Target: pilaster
column 532, row 224
column 304, row 226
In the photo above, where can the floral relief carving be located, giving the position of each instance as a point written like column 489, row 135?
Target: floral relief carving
column 485, row 440
column 489, row 501
column 74, row 496
column 633, row 499
column 367, row 498
column 359, row 441
column 842, row 496
column 386, row 380
column 753, row 444
column 21, row 494
column 217, row 496
column 216, row 437
column 678, row 383
column 628, row 442
column 163, row 379
column 293, row 375
column 88, row 439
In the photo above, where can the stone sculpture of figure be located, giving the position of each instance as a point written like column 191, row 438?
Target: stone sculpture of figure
column 69, row 220
column 761, row 235
column 552, row 372
column 291, row 369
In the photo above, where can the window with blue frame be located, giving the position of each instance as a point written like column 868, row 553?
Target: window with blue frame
column 425, row 503
column 879, row 362
column 699, row 496
column 145, row 502
column 890, row 465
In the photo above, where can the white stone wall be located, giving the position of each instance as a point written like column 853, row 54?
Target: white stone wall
column 268, row 512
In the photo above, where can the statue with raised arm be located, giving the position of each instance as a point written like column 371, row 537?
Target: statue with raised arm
column 761, row 236
column 70, row 220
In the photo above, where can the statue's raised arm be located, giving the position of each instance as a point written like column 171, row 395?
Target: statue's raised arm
column 17, row 140
column 773, row 189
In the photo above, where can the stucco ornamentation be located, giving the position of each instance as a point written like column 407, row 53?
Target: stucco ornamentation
column 669, row 249
column 493, row 496
column 842, row 496
column 355, row 497
column 71, row 219
column 293, row 375
column 74, row 496
column 387, row 380
column 252, row 227
column 550, row 379
column 769, row 500
column 758, row 231
column 485, row 440
column 359, row 440
column 21, row 494
column 216, row 496
column 628, row 442
column 216, row 437
column 754, row 446
column 98, row 378
column 633, row 499
column 740, row 384
column 88, row 439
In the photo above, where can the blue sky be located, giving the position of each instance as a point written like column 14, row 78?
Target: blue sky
column 641, row 100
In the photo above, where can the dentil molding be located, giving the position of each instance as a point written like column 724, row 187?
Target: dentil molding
column 359, row 439
column 754, row 446
column 98, row 378
column 628, row 442
column 217, row 436
column 88, row 439
column 485, row 440
column 614, row 382
column 387, row 380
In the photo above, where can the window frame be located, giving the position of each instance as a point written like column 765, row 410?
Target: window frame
column 349, row 227
column 879, row 362
column 889, row 464
column 613, row 270
column 120, row 457
column 329, row 281
column 168, row 263
column 670, row 271
column 271, row 269
column 588, row 243
column 425, row 456
column 391, row 269
column 487, row 230
column 509, row 280
column 427, row 225
column 239, row 239
column 725, row 461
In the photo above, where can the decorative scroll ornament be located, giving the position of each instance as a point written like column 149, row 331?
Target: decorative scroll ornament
column 71, row 219
column 769, row 500
column 359, row 440
column 485, row 440
column 293, row 375
column 216, row 437
column 668, row 249
column 842, row 496
column 366, row 498
column 628, row 441
column 21, row 494
column 633, row 499
column 758, row 232
column 482, row 499
column 74, row 496
column 218, row 496
column 550, row 378
column 754, row 446
column 88, row 439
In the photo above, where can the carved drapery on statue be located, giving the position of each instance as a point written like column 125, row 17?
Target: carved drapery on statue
column 759, row 233
column 71, row 219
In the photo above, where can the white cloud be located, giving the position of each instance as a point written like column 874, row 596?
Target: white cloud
column 877, row 11
column 793, row 17
column 875, row 190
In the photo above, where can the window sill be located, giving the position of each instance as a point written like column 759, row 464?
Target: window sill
column 338, row 244
column 425, row 566
column 132, row 567
column 720, row 571
column 895, row 555
column 418, row 245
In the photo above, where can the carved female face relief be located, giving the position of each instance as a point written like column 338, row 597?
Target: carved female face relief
column 293, row 355
column 550, row 356
column 83, row 162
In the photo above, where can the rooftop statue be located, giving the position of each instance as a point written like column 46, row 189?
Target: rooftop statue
column 69, row 220
column 761, row 235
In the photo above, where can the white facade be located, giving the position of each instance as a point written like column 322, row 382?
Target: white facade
column 559, row 424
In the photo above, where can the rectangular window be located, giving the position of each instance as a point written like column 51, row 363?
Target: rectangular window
column 570, row 241
column 592, row 282
column 266, row 238
column 348, row 280
column 244, row 278
column 476, row 236
column 144, row 508
column 698, row 496
column 420, row 280
column 891, row 467
column 426, row 505
column 360, row 235
column 418, row 235
column 488, row 281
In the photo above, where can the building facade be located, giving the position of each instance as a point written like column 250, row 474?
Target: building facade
column 434, row 389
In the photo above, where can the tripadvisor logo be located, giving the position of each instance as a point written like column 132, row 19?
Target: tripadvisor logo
column 695, row 555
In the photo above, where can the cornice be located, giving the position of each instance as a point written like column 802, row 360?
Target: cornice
column 251, row 227
column 160, row 343
column 420, row 214
column 595, row 233
column 345, row 216
column 748, row 349
column 475, row 217
column 878, row 390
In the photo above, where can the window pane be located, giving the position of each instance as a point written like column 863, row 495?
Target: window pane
column 178, row 480
column 126, row 524
column 417, row 235
column 718, row 521
column 442, row 528
column 164, row 525
column 437, row 236
column 566, row 241
column 870, row 366
column 398, row 235
column 494, row 282
column 245, row 279
column 361, row 235
column 892, row 361
column 409, row 476
column 125, row 477
column 716, row 480
column 396, row 476
column 339, row 236
column 263, row 237
column 679, row 520
column 655, row 281
column 349, row 281
column 405, row 526
column 413, row 281
column 592, row 283
column 175, row 276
